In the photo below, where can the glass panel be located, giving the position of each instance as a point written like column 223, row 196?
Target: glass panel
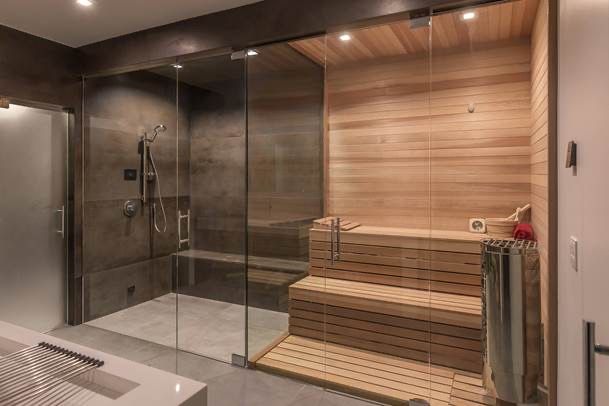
column 211, row 206
column 481, row 169
column 285, row 185
column 32, row 214
column 374, row 290
column 130, row 135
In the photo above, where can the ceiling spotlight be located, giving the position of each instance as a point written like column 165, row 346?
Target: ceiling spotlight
column 177, row 66
column 345, row 37
column 85, row 3
column 252, row 52
column 470, row 15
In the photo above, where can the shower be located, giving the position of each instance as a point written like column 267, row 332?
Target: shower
column 150, row 174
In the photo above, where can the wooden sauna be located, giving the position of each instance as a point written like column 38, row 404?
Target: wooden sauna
column 427, row 123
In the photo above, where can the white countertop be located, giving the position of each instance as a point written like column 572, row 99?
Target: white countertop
column 133, row 383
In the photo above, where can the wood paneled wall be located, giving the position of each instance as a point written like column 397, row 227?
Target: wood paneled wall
column 539, row 152
column 405, row 152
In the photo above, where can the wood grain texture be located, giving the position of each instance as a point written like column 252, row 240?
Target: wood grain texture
column 382, row 377
column 405, row 261
column 404, row 152
column 502, row 22
column 539, row 157
column 409, row 323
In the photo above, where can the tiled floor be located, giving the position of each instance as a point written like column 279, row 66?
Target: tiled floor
column 228, row 385
column 206, row 327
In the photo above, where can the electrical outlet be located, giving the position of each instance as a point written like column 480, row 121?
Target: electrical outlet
column 573, row 257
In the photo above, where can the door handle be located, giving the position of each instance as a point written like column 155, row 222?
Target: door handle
column 62, row 229
column 180, row 218
column 338, row 239
column 332, row 228
column 591, row 349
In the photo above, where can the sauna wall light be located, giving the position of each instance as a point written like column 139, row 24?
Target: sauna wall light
column 345, row 37
column 252, row 52
column 84, row 3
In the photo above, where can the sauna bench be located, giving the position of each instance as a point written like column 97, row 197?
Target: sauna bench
column 436, row 260
column 407, row 292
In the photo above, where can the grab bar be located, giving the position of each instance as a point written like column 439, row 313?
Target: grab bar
column 180, row 218
column 62, row 230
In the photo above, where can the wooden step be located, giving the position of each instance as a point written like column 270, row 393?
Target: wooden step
column 445, row 261
column 443, row 328
column 416, row 304
column 373, row 375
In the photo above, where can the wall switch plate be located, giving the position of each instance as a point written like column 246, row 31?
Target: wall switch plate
column 573, row 253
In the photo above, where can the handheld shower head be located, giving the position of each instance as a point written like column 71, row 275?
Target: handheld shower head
column 161, row 128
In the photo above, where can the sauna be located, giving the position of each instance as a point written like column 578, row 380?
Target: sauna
column 410, row 133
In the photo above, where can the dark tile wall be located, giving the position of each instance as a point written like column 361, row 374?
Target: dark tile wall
column 120, row 252
column 217, row 162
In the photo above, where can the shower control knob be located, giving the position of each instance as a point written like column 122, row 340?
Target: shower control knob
column 130, row 208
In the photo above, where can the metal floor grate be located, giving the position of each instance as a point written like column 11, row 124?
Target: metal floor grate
column 41, row 374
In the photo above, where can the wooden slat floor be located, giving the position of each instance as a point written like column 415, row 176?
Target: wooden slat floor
column 376, row 376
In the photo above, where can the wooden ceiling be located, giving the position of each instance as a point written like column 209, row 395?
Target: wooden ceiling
column 504, row 21
column 277, row 58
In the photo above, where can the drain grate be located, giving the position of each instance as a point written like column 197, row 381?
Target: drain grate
column 40, row 374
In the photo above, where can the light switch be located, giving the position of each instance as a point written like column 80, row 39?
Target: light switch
column 573, row 253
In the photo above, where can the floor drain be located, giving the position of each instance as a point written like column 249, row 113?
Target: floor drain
column 418, row 402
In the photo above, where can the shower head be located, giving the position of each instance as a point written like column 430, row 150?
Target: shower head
column 158, row 129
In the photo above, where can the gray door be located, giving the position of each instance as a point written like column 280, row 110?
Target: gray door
column 32, row 217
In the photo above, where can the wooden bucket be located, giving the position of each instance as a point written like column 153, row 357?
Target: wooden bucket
column 500, row 228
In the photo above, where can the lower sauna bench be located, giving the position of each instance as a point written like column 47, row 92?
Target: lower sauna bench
column 415, row 324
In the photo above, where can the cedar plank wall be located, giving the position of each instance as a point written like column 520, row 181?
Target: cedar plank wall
column 397, row 157
column 539, row 152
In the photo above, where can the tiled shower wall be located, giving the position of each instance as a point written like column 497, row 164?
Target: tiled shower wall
column 125, row 261
column 217, row 165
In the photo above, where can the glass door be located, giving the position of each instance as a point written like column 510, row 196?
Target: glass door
column 285, row 196
column 33, row 170
column 211, row 208
column 379, row 338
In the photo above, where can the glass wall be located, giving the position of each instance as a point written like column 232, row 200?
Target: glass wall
column 285, row 183
column 130, row 135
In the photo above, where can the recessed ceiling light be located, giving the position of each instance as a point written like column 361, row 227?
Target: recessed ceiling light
column 470, row 15
column 177, row 66
column 252, row 52
column 345, row 37
column 85, row 3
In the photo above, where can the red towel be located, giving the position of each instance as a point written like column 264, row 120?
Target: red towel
column 524, row 231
